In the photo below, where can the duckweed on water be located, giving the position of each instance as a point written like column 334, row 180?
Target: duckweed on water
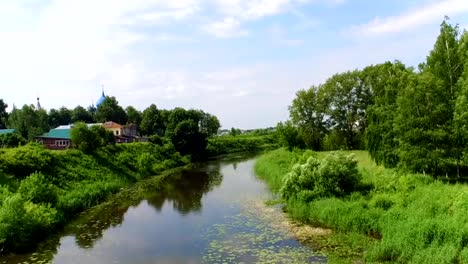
column 258, row 234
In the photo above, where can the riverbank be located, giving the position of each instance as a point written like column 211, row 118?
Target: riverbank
column 394, row 217
column 42, row 190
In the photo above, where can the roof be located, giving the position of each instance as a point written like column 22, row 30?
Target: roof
column 101, row 100
column 57, row 133
column 71, row 126
column 6, row 131
column 111, row 124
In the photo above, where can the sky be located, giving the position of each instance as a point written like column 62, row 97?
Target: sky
column 241, row 60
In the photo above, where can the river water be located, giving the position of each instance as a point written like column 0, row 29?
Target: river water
column 212, row 213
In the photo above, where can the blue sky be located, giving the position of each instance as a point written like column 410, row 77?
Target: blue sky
column 242, row 60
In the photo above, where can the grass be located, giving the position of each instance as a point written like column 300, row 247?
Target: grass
column 399, row 218
column 42, row 190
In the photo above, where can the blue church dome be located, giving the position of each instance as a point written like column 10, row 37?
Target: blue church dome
column 101, row 100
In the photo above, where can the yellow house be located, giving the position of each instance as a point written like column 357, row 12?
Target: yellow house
column 115, row 128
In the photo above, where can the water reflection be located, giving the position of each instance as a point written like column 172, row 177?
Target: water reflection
column 186, row 192
column 164, row 222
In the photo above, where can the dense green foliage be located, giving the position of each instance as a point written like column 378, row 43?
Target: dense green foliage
column 110, row 110
column 11, row 140
column 3, row 114
column 414, row 218
column 410, row 119
column 336, row 175
column 250, row 142
column 42, row 189
column 89, row 139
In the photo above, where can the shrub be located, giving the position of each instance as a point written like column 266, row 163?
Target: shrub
column 37, row 189
column 336, row 175
column 23, row 161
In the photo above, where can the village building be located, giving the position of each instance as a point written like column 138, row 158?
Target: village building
column 7, row 131
column 59, row 137
column 56, row 139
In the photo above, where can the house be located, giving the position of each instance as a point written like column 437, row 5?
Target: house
column 59, row 137
column 113, row 127
column 56, row 139
column 7, row 131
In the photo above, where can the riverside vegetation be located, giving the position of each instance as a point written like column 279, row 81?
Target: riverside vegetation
column 42, row 189
column 378, row 214
column 403, row 200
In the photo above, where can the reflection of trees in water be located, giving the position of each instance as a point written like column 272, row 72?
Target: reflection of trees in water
column 93, row 228
column 186, row 191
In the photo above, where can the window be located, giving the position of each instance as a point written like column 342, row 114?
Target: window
column 62, row 143
column 116, row 132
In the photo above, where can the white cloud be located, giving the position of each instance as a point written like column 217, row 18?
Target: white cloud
column 237, row 12
column 426, row 14
column 226, row 28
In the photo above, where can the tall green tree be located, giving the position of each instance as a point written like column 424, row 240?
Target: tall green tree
column 385, row 81
column 349, row 100
column 422, row 125
column 3, row 114
column 28, row 121
column 89, row 139
column 308, row 113
column 151, row 122
column 134, row 116
column 110, row 110
column 80, row 114
column 288, row 135
column 444, row 61
column 188, row 139
column 209, row 124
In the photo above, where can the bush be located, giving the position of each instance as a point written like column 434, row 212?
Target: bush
column 11, row 140
column 23, row 161
column 336, row 175
column 37, row 189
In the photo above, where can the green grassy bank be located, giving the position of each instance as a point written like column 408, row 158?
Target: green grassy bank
column 392, row 217
column 227, row 144
column 43, row 189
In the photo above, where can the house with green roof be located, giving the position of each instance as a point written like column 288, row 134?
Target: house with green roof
column 56, row 139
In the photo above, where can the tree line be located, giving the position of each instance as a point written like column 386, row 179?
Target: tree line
column 410, row 118
column 187, row 130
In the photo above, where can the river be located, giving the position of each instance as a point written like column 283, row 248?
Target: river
column 212, row 213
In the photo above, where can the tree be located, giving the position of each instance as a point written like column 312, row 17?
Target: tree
column 89, row 139
column 188, row 140
column 288, row 135
column 460, row 118
column 3, row 114
column 349, row 99
column 385, row 81
column 110, row 110
column 56, row 118
column 444, row 61
column 308, row 112
column 235, row 132
column 134, row 116
column 209, row 124
column 178, row 115
column 151, row 122
column 80, row 114
column 422, row 125
column 28, row 121
column 11, row 140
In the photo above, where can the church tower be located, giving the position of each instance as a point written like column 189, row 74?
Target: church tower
column 101, row 100
column 39, row 107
